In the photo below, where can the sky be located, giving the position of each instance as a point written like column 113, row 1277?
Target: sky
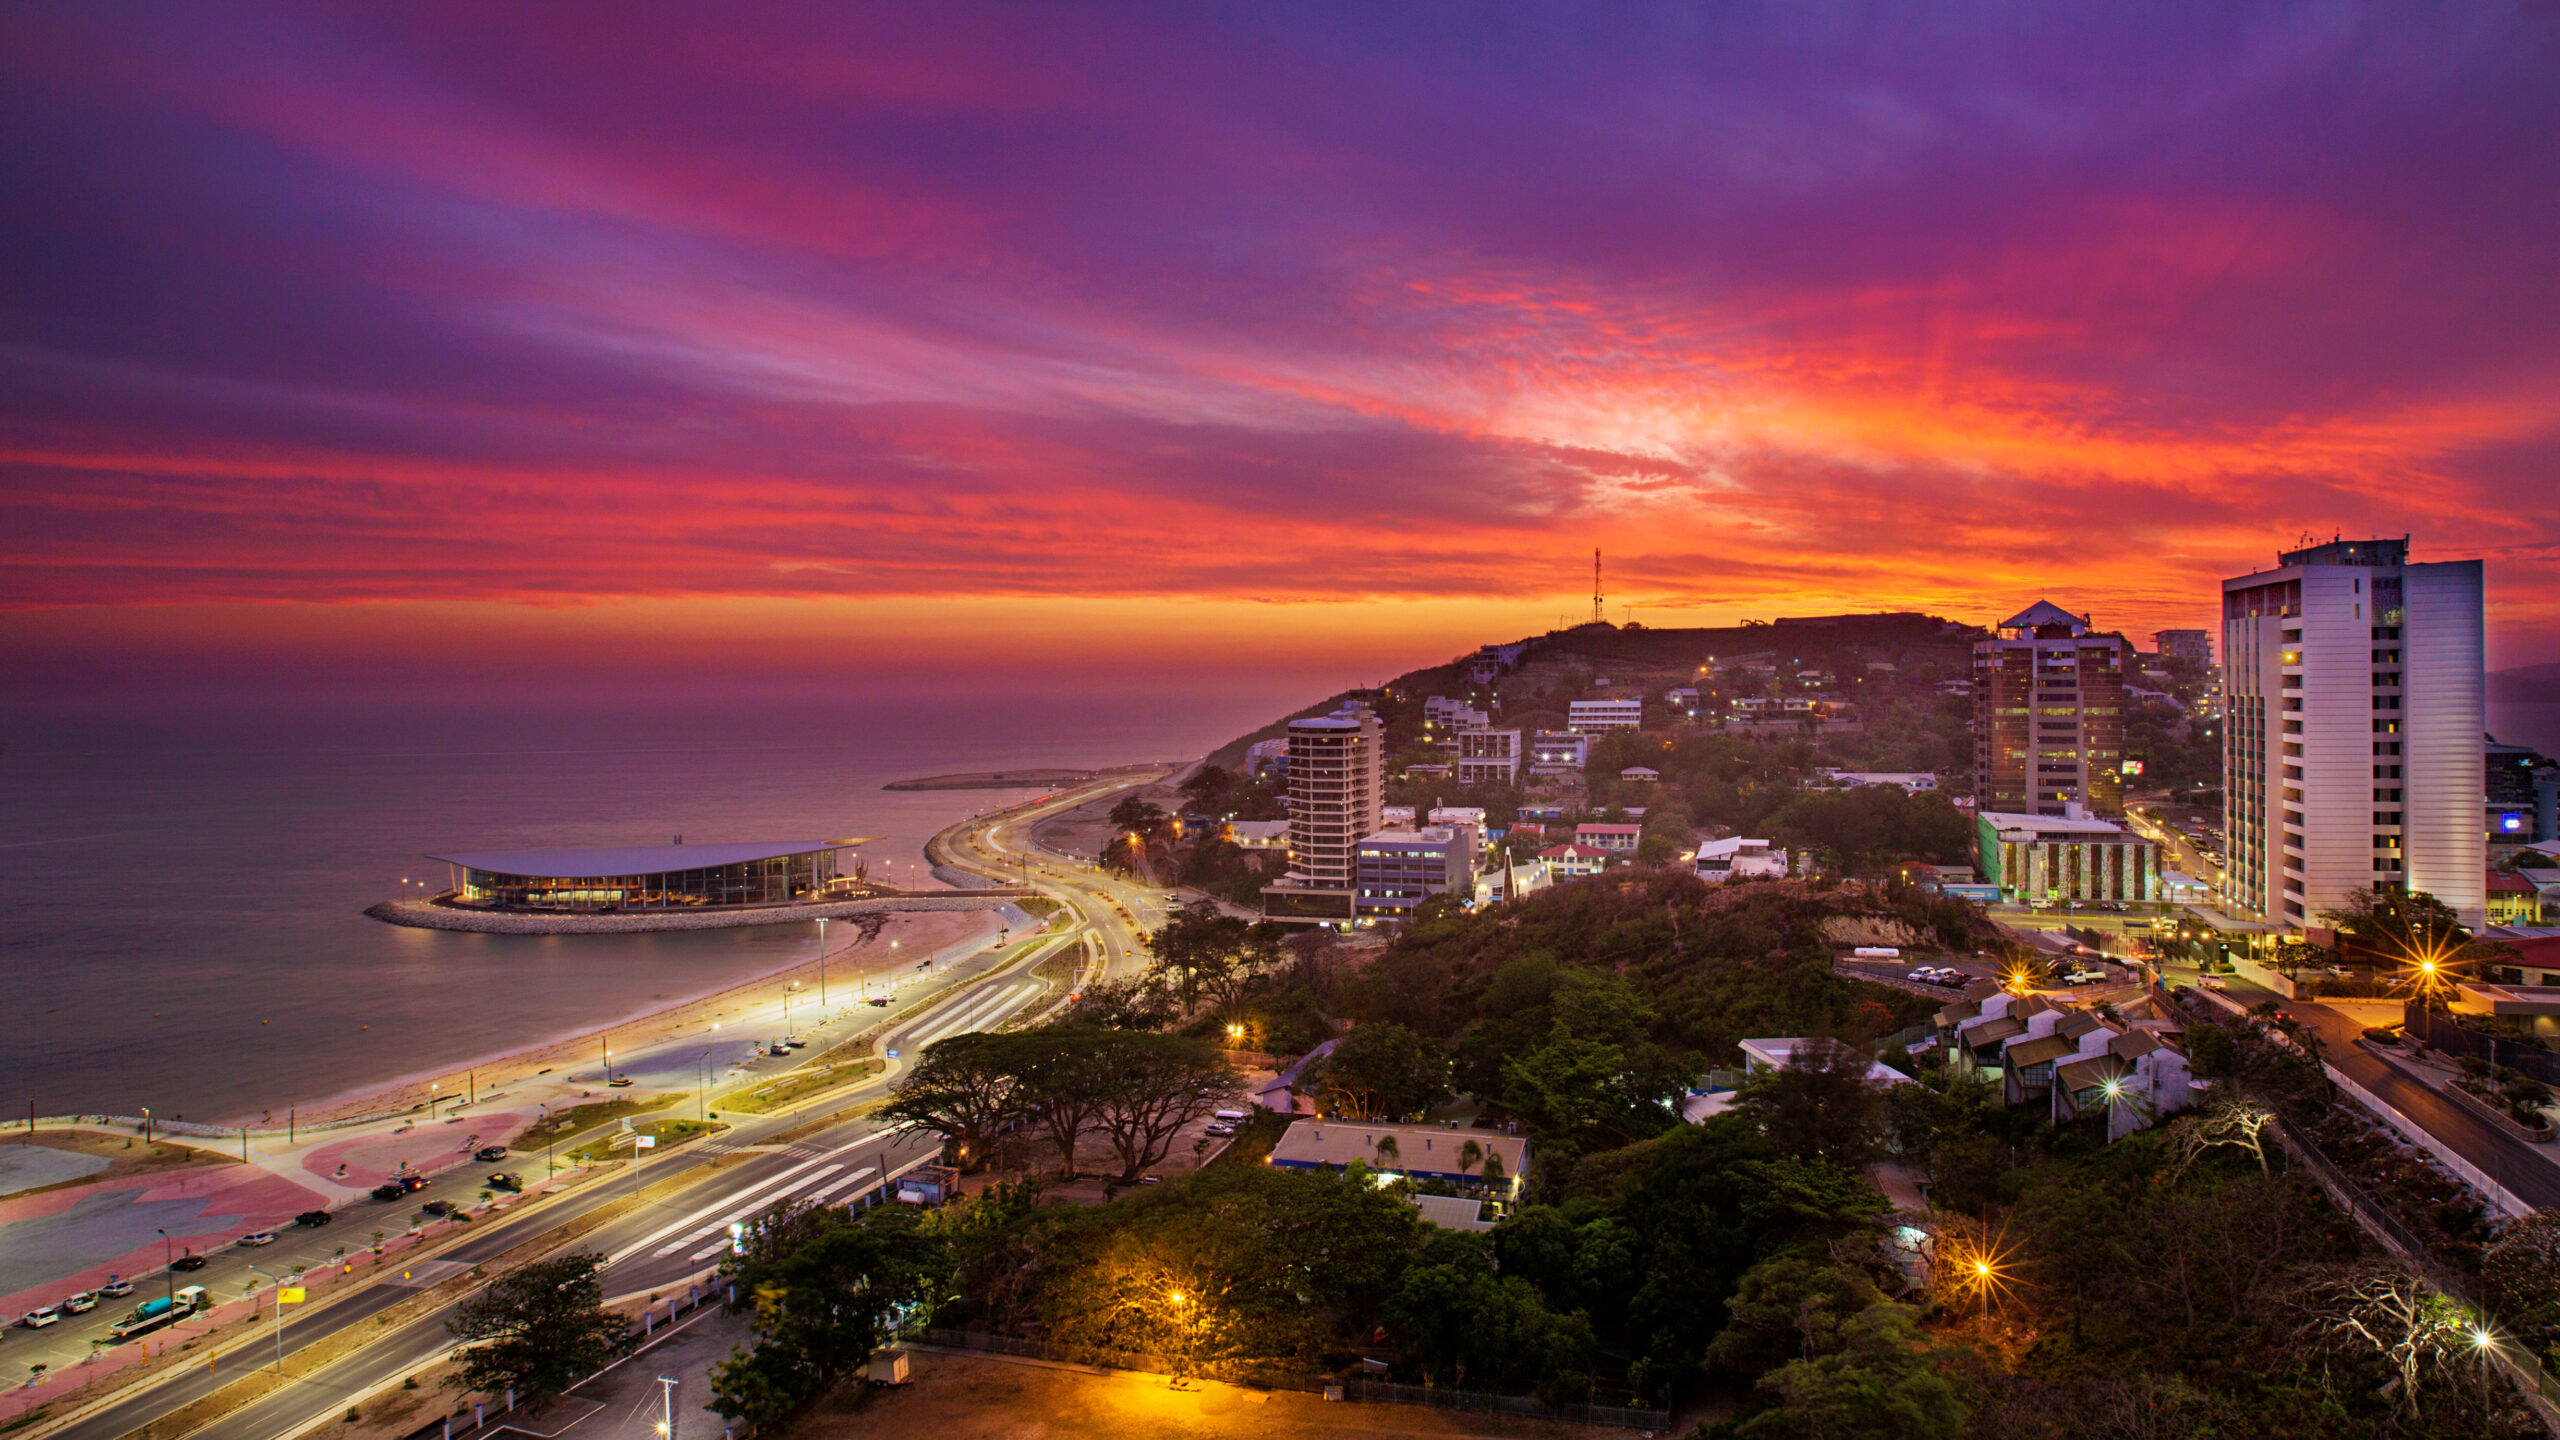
column 486, row 344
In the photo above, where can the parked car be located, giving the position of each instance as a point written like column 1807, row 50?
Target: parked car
column 438, row 1207
column 116, row 1288
column 489, row 1152
column 314, row 1218
column 503, row 1180
column 2382, row 1034
column 189, row 1261
column 2214, row 982
column 256, row 1238
column 79, row 1304
column 389, row 1190
column 1222, row 1131
column 40, row 1317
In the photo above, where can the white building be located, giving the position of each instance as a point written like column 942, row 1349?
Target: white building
column 1775, row 1053
column 1337, row 781
column 1913, row 782
column 1558, row 752
column 1588, row 716
column 1737, row 858
column 1620, row 838
column 1572, row 860
column 2352, row 692
column 1682, row 698
column 1258, row 835
column 1399, row 869
column 1489, row 757
column 1442, row 713
column 2035, row 859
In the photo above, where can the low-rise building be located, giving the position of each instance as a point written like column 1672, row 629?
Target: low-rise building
column 1589, row 716
column 1481, row 1162
column 2036, row 859
column 1261, row 835
column 1763, row 1055
column 1399, row 869
column 1430, row 770
column 1620, row 838
column 1682, row 698
column 2068, row 1059
column 1572, row 860
column 1640, row 775
column 1442, row 713
column 1558, row 752
column 2513, row 900
column 1489, row 757
column 1739, row 858
column 1912, row 782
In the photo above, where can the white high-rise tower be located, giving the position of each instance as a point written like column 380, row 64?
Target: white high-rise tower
column 2352, row 687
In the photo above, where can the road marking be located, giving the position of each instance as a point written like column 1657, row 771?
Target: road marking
column 715, row 1226
column 990, row 1009
column 776, row 1183
column 425, row 1274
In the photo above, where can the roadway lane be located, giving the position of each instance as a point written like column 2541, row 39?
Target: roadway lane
column 2511, row 1162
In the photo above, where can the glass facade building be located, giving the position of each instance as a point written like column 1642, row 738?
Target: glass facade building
column 671, row 877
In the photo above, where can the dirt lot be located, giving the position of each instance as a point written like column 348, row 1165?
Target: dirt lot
column 974, row 1397
column 125, row 1154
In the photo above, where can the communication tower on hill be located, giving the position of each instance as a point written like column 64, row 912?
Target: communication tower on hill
column 1595, row 586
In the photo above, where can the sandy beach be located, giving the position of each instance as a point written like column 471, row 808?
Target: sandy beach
column 856, row 953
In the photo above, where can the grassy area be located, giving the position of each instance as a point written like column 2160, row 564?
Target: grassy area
column 668, row 1132
column 798, row 1084
column 561, row 1123
column 1039, row 907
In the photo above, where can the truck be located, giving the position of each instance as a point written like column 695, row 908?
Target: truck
column 153, row 1314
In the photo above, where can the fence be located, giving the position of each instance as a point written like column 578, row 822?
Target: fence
column 1375, row 1392
column 2522, row 1365
column 2504, row 1199
column 2453, row 1039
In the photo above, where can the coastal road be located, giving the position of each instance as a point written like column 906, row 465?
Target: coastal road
column 661, row 1242
column 999, row 846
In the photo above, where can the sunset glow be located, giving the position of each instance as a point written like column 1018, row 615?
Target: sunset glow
column 1213, row 332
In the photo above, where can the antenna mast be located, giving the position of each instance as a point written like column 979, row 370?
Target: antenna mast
column 1596, row 618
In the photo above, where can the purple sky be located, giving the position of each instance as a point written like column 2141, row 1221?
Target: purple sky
column 1332, row 338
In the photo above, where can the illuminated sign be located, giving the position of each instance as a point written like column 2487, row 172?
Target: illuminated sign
column 2133, row 767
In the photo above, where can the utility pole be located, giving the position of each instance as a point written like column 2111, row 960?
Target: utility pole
column 666, row 1407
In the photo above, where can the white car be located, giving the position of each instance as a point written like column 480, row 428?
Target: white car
column 80, row 1304
column 2214, row 982
column 40, row 1317
column 258, row 1237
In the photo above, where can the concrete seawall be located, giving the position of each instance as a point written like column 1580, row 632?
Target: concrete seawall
column 428, row 915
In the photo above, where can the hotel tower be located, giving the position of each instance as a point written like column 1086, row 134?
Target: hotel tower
column 2352, row 692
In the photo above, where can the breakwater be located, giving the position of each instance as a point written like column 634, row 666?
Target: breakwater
column 429, row 915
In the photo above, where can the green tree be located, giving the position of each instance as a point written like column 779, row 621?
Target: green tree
column 1819, row 1103
column 1065, row 1073
column 1210, row 789
column 1788, row 1309
column 822, row 1287
column 1142, row 818
column 1383, row 1071
column 1880, row 1383
column 967, row 1090
column 538, row 1329
column 1159, row 1084
column 1200, row 947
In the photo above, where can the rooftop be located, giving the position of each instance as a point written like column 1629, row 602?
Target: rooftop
column 627, row 859
column 1419, row 1149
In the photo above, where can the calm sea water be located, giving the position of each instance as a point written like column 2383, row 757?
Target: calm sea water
column 181, row 899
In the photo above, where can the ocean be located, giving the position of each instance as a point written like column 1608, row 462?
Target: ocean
column 181, row 897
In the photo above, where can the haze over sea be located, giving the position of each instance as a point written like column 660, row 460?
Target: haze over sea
column 183, row 898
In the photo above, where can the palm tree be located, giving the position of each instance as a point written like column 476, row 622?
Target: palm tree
column 1388, row 1152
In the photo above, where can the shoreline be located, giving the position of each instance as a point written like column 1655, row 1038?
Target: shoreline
column 924, row 932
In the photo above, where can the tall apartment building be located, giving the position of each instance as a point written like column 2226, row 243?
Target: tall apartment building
column 2196, row 645
column 2353, row 701
column 2048, row 716
column 1337, row 789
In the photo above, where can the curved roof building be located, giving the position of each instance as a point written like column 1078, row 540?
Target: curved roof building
column 643, row 877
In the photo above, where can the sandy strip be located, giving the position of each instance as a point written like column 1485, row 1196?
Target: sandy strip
column 918, row 934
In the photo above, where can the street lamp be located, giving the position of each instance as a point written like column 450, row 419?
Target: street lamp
column 279, row 1284
column 169, row 1265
